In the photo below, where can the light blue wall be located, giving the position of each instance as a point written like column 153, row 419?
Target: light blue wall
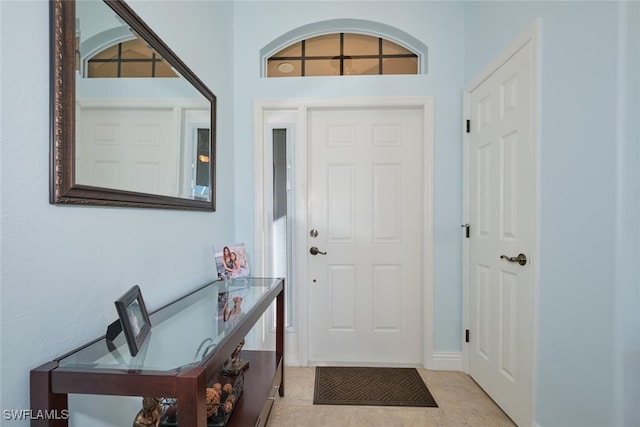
column 628, row 233
column 63, row 266
column 436, row 24
column 589, row 338
column 581, row 196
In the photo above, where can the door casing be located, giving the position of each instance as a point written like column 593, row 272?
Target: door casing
column 292, row 112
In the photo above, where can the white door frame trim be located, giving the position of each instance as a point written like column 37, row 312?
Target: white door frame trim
column 530, row 35
column 299, row 108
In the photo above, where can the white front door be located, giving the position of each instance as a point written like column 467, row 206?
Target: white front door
column 501, row 209
column 365, row 211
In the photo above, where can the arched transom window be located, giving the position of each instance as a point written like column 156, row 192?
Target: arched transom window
column 342, row 54
column 132, row 58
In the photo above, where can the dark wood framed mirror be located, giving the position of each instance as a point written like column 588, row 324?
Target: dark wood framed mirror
column 131, row 124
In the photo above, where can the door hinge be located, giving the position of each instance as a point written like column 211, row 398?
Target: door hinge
column 468, row 126
column 466, row 335
column 466, row 227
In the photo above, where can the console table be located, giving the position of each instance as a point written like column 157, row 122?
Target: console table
column 188, row 345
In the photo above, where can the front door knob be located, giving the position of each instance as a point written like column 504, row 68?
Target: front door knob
column 315, row 251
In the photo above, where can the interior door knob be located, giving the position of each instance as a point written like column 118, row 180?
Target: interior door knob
column 520, row 259
column 315, row 251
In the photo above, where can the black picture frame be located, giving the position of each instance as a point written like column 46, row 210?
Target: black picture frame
column 134, row 318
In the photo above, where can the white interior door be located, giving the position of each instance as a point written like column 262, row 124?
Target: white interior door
column 365, row 201
column 130, row 149
column 501, row 208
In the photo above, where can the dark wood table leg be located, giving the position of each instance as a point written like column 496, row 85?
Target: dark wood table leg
column 47, row 408
column 191, row 402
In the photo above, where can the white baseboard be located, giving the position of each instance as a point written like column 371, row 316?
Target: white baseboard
column 447, row 361
column 442, row 361
column 295, row 362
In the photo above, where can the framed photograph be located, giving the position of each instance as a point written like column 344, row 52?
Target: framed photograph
column 133, row 318
column 231, row 261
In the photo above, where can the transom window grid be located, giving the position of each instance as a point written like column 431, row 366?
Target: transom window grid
column 132, row 58
column 342, row 54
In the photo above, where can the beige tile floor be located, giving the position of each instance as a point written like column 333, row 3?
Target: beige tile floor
column 460, row 403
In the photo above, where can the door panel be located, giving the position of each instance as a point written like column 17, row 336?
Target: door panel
column 340, row 199
column 342, row 298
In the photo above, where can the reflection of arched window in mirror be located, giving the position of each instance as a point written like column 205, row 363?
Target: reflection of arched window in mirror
column 132, row 58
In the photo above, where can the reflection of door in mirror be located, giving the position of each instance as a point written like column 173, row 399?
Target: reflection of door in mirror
column 127, row 149
column 136, row 118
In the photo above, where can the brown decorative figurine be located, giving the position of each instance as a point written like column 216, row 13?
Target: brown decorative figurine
column 236, row 365
column 150, row 413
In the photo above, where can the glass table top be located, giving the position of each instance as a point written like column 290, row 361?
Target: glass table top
column 182, row 333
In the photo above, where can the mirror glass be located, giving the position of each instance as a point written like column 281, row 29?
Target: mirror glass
column 132, row 125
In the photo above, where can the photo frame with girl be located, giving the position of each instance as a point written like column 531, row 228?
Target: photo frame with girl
column 231, row 261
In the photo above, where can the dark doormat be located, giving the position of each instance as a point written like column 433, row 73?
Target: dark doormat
column 371, row 386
